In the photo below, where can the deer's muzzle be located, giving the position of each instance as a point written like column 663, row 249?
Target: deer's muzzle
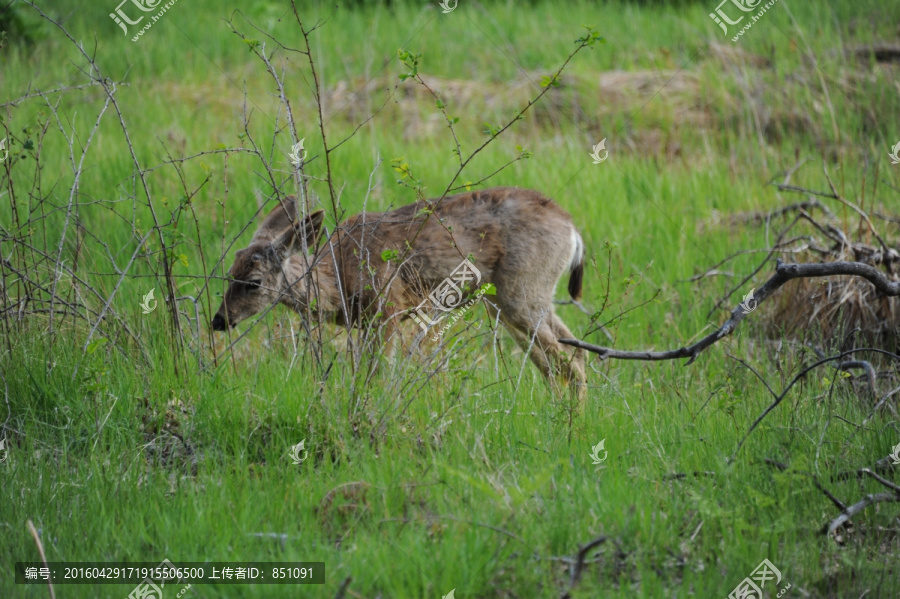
column 219, row 323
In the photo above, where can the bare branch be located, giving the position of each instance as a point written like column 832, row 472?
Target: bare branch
column 783, row 273
column 858, row 507
column 883, row 481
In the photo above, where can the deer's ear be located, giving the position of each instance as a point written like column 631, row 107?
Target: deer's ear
column 277, row 220
column 299, row 235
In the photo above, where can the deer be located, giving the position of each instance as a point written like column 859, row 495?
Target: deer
column 380, row 266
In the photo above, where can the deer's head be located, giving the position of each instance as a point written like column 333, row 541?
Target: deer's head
column 273, row 268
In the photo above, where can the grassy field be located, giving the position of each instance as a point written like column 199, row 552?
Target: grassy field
column 144, row 437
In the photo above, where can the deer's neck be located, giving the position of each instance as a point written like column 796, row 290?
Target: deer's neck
column 314, row 289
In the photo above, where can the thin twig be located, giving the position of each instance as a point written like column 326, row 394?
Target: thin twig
column 342, row 590
column 576, row 569
column 40, row 547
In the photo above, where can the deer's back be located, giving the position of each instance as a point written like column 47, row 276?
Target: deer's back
column 502, row 230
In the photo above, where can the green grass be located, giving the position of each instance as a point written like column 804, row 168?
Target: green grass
column 459, row 477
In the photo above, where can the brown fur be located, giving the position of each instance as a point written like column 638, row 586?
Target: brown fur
column 519, row 240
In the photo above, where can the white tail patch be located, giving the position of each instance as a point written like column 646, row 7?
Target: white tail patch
column 577, row 250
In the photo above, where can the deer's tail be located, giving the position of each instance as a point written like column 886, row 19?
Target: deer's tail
column 576, row 265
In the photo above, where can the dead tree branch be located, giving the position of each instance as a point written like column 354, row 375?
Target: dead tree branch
column 858, row 507
column 846, row 512
column 783, row 273
column 865, row 502
column 883, row 481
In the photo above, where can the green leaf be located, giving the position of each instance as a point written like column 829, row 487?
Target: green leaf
column 590, row 38
column 547, row 81
column 96, row 344
column 410, row 61
column 489, row 289
column 490, row 130
column 388, row 255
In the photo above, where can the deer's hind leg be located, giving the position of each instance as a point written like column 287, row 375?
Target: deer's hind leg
column 539, row 330
column 572, row 358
